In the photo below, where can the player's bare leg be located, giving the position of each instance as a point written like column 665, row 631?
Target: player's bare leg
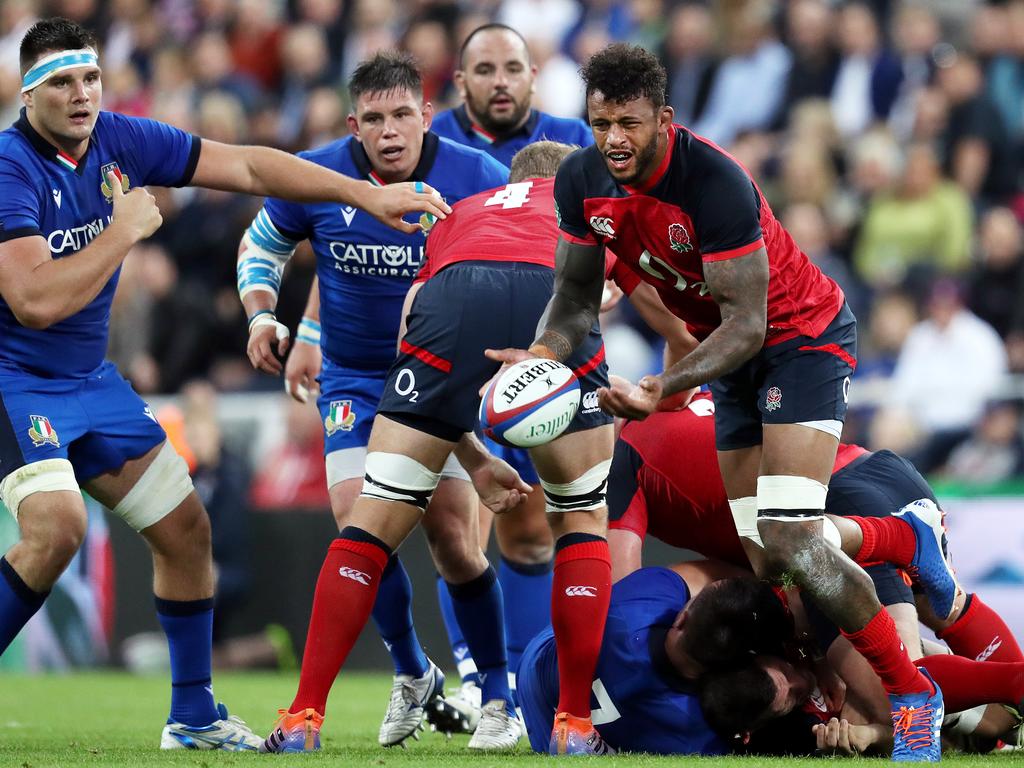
column 574, row 473
column 183, row 584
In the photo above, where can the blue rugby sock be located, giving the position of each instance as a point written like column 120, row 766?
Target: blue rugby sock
column 18, row 603
column 188, row 625
column 478, row 609
column 392, row 613
column 527, row 593
column 464, row 662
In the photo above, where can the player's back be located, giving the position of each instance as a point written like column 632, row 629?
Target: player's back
column 516, row 222
column 365, row 267
column 642, row 703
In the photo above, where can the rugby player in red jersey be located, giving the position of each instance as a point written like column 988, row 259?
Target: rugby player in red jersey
column 778, row 343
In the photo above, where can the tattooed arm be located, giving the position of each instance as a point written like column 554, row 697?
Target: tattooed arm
column 740, row 287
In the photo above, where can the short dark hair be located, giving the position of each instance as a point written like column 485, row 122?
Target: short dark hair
column 732, row 620
column 737, row 701
column 539, row 160
column 492, row 27
column 386, row 71
column 624, row 72
column 54, row 34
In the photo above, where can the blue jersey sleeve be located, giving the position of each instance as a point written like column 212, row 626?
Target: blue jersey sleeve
column 166, row 156
column 286, row 219
column 19, row 203
column 492, row 173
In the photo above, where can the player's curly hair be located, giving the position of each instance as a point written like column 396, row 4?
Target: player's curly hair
column 53, row 34
column 539, row 160
column 737, row 701
column 732, row 620
column 624, row 72
column 384, row 72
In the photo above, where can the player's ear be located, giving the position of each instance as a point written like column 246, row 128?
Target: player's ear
column 680, row 619
column 459, row 80
column 428, row 115
column 353, row 125
column 665, row 116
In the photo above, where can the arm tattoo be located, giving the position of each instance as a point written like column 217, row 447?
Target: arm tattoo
column 740, row 287
column 574, row 306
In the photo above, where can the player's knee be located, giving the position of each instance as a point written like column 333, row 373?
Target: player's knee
column 525, row 541
column 161, row 490
column 456, row 556
column 586, row 493
column 398, row 478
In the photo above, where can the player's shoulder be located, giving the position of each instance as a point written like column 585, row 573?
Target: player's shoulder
column 555, row 128
column 334, row 155
column 450, row 151
column 654, row 583
column 703, row 156
column 444, row 123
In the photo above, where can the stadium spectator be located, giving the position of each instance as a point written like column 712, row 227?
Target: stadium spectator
column 688, row 54
column 809, row 33
column 995, row 449
column 997, row 277
column 293, row 475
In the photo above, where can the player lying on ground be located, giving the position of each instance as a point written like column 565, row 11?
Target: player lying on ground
column 777, row 340
column 363, row 273
column 72, row 205
column 650, row 492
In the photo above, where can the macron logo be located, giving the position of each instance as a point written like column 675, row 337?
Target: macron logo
column 581, row 591
column 56, row 197
column 603, row 225
column 352, row 573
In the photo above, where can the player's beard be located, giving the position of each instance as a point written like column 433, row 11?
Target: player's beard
column 643, row 162
column 497, row 125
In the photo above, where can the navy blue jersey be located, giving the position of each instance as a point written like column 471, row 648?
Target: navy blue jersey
column 455, row 124
column 365, row 267
column 44, row 192
column 639, row 703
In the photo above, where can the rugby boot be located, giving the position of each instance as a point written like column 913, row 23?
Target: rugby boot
column 917, row 725
column 294, row 732
column 576, row 736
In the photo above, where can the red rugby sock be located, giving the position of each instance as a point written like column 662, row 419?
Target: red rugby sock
column 579, row 607
column 886, row 539
column 345, row 591
column 981, row 634
column 880, row 644
column 966, row 683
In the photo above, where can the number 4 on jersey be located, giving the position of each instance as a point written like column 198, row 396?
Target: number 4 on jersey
column 514, row 195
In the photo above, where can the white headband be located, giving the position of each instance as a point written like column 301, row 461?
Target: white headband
column 55, row 63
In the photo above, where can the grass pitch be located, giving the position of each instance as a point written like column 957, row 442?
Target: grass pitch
column 113, row 719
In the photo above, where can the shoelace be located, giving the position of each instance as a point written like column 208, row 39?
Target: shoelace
column 916, row 724
column 401, row 696
column 492, row 723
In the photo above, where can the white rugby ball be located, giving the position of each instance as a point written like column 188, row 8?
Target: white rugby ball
column 530, row 403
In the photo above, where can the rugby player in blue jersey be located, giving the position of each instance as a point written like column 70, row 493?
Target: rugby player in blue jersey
column 72, row 205
column 496, row 80
column 363, row 273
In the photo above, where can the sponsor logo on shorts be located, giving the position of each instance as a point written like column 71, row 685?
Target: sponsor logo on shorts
column 590, row 402
column 352, row 573
column 105, row 185
column 340, row 416
column 679, row 238
column 603, row 225
column 42, row 432
column 773, row 399
column 581, row 591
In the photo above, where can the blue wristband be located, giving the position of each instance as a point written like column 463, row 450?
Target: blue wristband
column 308, row 332
column 258, row 314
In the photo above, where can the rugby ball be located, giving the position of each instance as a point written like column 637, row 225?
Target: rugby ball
column 530, row 403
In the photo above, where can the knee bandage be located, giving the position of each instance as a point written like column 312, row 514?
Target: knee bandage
column 37, row 477
column 790, row 498
column 394, row 477
column 744, row 515
column 584, row 493
column 162, row 487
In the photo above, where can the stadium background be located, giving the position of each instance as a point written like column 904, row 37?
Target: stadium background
column 887, row 136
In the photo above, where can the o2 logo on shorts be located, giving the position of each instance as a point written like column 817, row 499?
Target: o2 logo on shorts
column 846, row 390
column 590, row 402
column 340, row 416
column 773, row 399
column 405, row 385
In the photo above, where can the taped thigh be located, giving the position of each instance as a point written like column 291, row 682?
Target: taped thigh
column 162, row 487
column 395, row 477
column 585, row 493
column 345, row 464
column 790, row 498
column 37, row 477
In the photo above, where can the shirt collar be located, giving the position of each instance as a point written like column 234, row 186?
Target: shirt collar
column 470, row 128
column 46, row 149
column 427, row 157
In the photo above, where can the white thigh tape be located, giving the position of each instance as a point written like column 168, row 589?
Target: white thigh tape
column 790, row 498
column 831, row 534
column 162, row 487
column 37, row 477
column 744, row 515
column 584, row 493
column 395, row 477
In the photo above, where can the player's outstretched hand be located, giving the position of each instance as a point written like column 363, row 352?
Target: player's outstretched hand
column 389, row 204
column 137, row 210
column 266, row 335
column 301, row 370
column 499, row 486
column 637, row 403
column 841, row 736
column 508, row 356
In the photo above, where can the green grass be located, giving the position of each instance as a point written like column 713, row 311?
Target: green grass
column 114, row 719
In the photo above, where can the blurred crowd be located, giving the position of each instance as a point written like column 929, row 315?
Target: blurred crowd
column 888, row 137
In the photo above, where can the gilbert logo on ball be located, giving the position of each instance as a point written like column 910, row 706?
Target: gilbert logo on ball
column 530, row 403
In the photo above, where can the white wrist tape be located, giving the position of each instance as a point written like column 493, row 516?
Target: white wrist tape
column 280, row 330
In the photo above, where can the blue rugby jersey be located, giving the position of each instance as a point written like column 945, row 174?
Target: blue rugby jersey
column 365, row 267
column 45, row 192
column 639, row 703
column 455, row 124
